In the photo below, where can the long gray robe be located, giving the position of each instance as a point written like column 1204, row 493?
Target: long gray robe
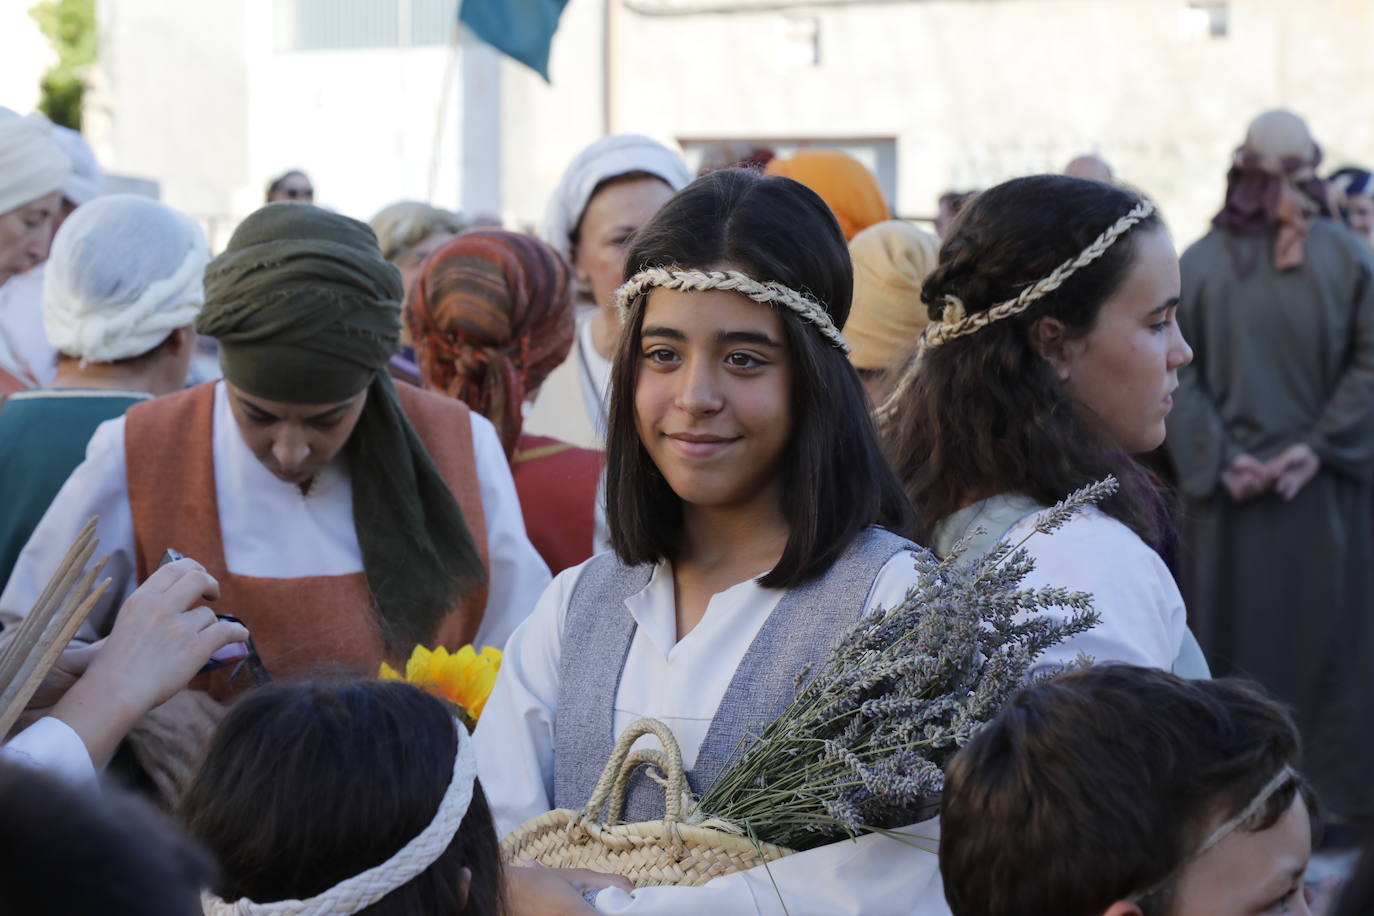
column 1284, row 591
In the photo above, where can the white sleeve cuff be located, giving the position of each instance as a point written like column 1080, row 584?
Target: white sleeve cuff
column 52, row 746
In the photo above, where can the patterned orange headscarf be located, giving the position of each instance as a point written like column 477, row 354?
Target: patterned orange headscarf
column 847, row 187
column 491, row 316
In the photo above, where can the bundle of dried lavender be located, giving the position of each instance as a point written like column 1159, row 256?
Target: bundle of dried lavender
column 863, row 745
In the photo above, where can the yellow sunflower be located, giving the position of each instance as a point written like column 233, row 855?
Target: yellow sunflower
column 464, row 677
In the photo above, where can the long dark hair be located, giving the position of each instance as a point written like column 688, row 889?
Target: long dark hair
column 835, row 481
column 306, row 785
column 985, row 414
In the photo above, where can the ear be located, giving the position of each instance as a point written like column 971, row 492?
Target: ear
column 181, row 339
column 465, row 885
column 1049, row 337
column 1122, row 908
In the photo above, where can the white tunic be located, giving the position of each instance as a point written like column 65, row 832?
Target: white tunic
column 682, row 682
column 269, row 529
column 52, row 746
column 24, row 347
column 1143, row 620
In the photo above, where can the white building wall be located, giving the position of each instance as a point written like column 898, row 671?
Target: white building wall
column 545, row 124
column 972, row 92
column 361, row 123
column 967, row 92
column 172, row 104
column 209, row 104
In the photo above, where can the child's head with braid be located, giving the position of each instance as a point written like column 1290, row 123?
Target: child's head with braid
column 1051, row 355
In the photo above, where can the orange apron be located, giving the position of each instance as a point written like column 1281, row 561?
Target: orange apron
column 311, row 625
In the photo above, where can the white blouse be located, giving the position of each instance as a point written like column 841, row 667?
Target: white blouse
column 53, row 746
column 269, row 528
column 1143, row 620
column 682, row 682
column 24, row 347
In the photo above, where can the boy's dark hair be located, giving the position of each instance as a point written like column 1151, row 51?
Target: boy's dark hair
column 835, row 481
column 65, row 851
column 985, row 414
column 1098, row 785
column 305, row 785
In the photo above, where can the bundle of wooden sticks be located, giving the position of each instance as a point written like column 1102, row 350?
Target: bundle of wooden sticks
column 33, row 647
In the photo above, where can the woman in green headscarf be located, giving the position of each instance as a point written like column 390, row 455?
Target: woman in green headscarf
column 347, row 519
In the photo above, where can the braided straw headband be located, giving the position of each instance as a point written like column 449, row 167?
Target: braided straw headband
column 366, row 888
column 955, row 322
column 766, row 292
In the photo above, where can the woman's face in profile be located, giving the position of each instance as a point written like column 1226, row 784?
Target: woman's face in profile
column 603, row 240
column 1124, row 371
column 26, row 234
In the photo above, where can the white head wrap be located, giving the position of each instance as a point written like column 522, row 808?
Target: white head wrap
column 617, row 154
column 125, row 271
column 87, row 182
column 31, row 162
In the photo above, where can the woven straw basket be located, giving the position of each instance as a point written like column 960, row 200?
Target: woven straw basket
column 675, row 850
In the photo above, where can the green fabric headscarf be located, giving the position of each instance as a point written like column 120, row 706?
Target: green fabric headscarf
column 306, row 311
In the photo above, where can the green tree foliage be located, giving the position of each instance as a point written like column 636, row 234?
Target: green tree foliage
column 70, row 27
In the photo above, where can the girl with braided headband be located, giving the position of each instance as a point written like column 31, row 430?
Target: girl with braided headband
column 346, row 518
column 1050, row 359
column 752, row 519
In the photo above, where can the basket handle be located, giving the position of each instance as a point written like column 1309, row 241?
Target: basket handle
column 637, row 759
column 615, row 778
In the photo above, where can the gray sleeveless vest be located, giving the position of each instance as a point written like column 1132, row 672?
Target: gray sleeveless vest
column 598, row 629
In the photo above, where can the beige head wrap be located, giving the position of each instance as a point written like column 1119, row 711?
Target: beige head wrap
column 31, row 162
column 891, row 261
column 403, row 225
column 1281, row 144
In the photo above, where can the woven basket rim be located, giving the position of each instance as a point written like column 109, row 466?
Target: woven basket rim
column 690, row 834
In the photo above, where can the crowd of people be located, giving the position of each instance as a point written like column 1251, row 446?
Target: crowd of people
column 665, row 454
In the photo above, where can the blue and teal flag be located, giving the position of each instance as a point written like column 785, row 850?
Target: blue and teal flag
column 522, row 29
